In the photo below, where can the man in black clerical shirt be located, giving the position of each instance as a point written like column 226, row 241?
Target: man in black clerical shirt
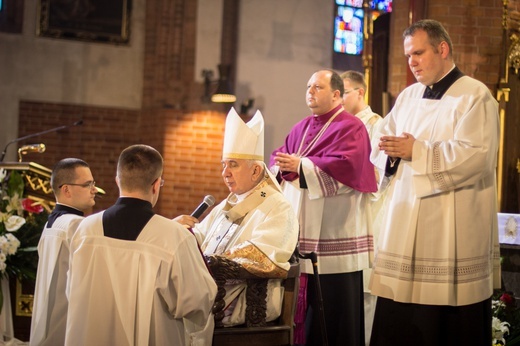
column 437, row 261
column 74, row 189
column 137, row 277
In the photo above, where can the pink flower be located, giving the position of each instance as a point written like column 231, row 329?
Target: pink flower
column 507, row 299
column 31, row 206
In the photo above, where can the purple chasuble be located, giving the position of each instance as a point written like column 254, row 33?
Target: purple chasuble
column 342, row 151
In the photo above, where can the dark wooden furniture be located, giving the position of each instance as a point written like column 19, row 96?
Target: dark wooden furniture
column 256, row 331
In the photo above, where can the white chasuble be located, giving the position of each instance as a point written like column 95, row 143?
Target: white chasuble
column 260, row 233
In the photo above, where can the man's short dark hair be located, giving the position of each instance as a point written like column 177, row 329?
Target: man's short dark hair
column 336, row 83
column 65, row 172
column 435, row 31
column 138, row 167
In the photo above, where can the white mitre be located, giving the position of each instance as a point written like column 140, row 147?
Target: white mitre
column 246, row 140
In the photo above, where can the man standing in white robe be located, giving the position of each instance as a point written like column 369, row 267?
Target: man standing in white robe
column 437, row 257
column 255, row 225
column 137, row 278
column 354, row 102
column 74, row 189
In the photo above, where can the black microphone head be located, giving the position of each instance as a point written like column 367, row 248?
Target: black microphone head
column 78, row 123
column 209, row 200
column 206, row 203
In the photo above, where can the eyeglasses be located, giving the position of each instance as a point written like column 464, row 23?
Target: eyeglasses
column 348, row 92
column 89, row 184
column 162, row 181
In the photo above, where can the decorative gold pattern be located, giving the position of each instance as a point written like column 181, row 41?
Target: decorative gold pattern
column 514, row 53
column 243, row 156
column 500, row 165
column 24, row 302
column 256, row 262
column 39, row 184
column 37, row 180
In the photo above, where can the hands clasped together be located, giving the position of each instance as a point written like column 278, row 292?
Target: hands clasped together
column 398, row 146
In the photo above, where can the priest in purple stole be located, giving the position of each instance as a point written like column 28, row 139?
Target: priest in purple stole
column 325, row 171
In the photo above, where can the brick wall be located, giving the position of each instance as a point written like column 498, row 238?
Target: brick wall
column 190, row 143
column 397, row 66
column 189, row 133
column 104, row 133
column 169, row 60
column 173, row 120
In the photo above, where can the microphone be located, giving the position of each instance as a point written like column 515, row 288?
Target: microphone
column 32, row 148
column 208, row 201
column 77, row 123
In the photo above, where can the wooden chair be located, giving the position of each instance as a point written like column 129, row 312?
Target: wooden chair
column 256, row 330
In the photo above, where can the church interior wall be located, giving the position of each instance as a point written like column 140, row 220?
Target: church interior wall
column 280, row 44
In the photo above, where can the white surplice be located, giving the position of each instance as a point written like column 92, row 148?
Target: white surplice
column 439, row 241
column 155, row 290
column 335, row 221
column 372, row 121
column 263, row 225
column 49, row 314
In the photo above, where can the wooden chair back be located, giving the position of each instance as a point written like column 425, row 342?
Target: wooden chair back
column 257, row 332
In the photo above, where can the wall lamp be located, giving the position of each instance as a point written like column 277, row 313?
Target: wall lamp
column 224, row 92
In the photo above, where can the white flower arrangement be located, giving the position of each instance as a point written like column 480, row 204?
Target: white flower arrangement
column 11, row 219
column 23, row 217
column 21, row 223
column 505, row 325
column 499, row 329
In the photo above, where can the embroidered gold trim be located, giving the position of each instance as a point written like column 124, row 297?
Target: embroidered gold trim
column 243, row 156
column 255, row 261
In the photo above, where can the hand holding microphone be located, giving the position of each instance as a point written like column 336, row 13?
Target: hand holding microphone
column 189, row 221
column 208, row 201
